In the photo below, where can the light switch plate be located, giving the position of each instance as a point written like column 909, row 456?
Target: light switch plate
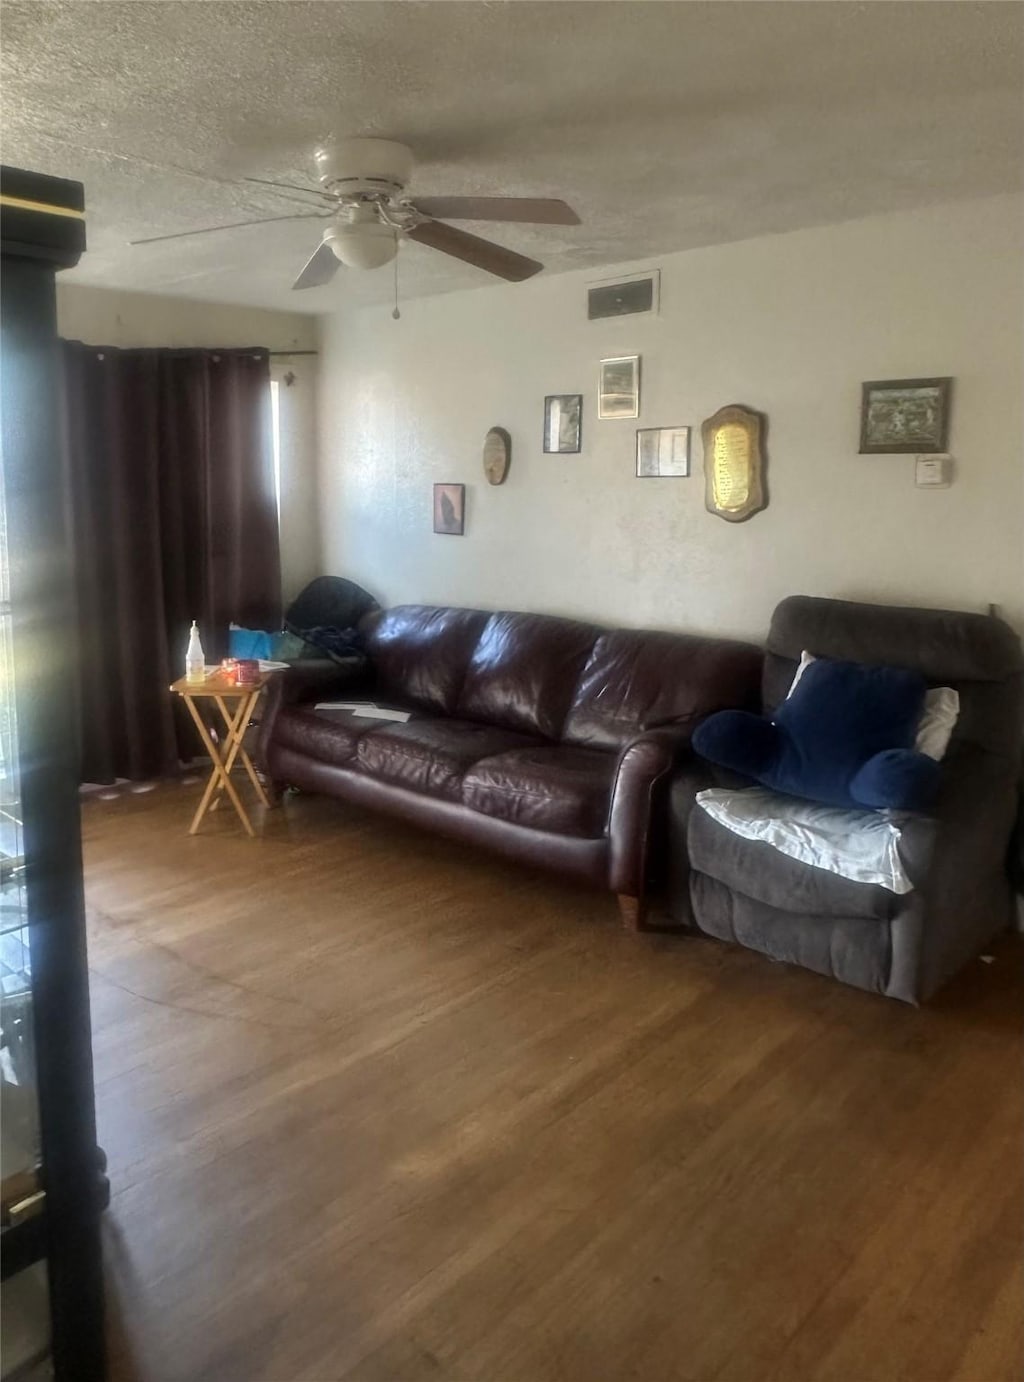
column 934, row 472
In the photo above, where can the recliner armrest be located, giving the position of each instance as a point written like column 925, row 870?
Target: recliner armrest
column 957, row 860
column 692, row 775
column 969, row 826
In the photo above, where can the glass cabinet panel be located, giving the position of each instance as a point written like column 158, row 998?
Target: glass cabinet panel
column 53, row 1190
column 25, row 1320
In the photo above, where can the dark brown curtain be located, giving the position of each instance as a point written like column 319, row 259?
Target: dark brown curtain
column 174, row 518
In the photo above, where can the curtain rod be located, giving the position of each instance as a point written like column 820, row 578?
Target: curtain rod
column 272, row 353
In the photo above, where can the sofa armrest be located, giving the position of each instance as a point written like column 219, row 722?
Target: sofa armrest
column 634, row 833
column 309, row 680
column 316, row 678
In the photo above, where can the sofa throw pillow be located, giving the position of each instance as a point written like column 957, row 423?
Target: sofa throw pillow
column 938, row 719
column 844, row 737
column 935, row 729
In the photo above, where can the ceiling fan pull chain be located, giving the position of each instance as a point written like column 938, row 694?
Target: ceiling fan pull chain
column 396, row 315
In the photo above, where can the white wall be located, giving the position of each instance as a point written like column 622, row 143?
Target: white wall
column 789, row 324
column 101, row 316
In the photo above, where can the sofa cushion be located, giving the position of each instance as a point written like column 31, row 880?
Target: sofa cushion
column 524, row 671
column 759, row 871
column 329, row 735
column 431, row 755
column 556, row 787
column 636, row 680
column 420, row 653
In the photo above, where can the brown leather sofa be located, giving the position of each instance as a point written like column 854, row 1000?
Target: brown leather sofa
column 547, row 740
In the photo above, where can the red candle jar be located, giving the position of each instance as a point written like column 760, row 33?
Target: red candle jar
column 247, row 671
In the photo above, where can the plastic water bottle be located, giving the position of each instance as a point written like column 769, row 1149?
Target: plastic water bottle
column 195, row 659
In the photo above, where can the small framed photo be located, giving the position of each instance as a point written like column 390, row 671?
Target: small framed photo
column 619, row 391
column 450, row 510
column 901, row 415
column 563, row 419
column 662, row 451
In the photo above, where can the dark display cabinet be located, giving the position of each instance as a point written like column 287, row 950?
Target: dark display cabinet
column 53, row 1190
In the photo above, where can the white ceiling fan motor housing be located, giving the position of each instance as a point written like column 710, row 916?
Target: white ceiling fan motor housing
column 358, row 167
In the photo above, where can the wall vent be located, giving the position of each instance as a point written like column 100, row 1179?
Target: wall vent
column 623, row 297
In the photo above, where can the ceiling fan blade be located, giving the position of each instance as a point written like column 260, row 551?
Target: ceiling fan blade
column 287, row 186
column 546, row 211
column 473, row 250
column 319, row 269
column 232, row 225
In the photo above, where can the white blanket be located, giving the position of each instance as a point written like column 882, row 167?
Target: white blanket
column 861, row 845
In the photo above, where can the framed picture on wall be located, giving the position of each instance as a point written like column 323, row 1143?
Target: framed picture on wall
column 901, row 415
column 619, row 390
column 662, row 452
column 563, row 417
column 450, row 510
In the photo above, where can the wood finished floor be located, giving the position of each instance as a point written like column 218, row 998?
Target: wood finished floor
column 379, row 1108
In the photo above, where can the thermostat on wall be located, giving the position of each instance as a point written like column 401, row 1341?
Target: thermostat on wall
column 934, row 472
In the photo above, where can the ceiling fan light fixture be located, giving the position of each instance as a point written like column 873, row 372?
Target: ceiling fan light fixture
column 364, row 245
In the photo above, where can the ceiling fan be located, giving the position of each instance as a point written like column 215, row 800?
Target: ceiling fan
column 362, row 197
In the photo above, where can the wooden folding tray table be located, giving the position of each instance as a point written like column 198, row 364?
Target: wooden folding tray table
column 236, row 704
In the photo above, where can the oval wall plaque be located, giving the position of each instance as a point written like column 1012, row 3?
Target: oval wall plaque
column 734, row 486
column 497, row 455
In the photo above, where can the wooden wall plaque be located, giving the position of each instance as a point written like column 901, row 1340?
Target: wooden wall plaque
column 497, row 455
column 734, row 462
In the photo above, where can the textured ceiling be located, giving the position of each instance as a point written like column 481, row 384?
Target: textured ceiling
column 666, row 125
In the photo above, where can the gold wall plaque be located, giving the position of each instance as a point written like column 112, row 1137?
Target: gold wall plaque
column 497, row 455
column 734, row 486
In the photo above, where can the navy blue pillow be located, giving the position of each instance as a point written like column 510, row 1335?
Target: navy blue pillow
column 845, row 737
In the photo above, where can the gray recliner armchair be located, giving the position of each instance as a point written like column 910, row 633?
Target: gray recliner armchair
column 905, row 946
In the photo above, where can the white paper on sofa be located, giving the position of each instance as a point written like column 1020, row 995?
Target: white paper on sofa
column 366, row 710
column 859, row 845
